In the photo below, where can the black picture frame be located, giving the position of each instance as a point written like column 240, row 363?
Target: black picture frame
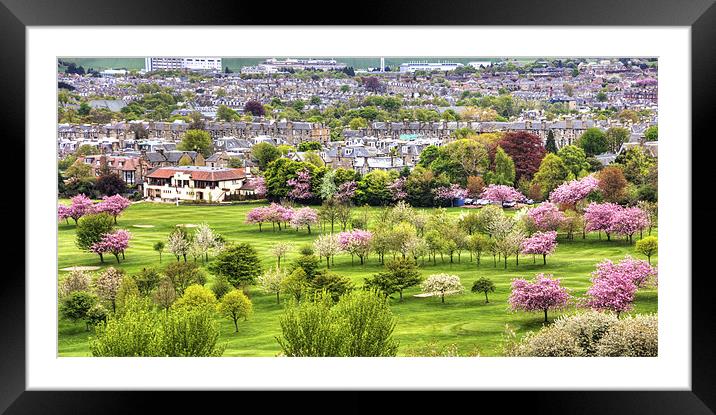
column 15, row 15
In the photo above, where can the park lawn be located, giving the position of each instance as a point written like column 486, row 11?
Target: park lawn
column 463, row 320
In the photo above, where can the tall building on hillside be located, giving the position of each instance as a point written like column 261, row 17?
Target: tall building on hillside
column 190, row 63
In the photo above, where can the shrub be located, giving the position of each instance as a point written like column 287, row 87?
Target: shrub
column 635, row 336
column 184, row 274
column 587, row 328
column 360, row 324
column 333, row 284
column 220, row 287
column 240, row 264
column 75, row 281
column 548, row 342
column 76, row 305
column 195, row 297
column 147, row 280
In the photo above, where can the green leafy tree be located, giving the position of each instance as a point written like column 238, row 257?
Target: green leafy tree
column 399, row 274
column 652, row 133
column 159, row 247
column 552, row 172
column 184, row 274
column 239, row 263
column 616, row 136
column 575, row 160
column 224, row 113
column 194, row 297
column 147, row 280
column 197, row 140
column 593, row 141
column 265, row 153
column 648, row 246
column 91, row 229
column 483, row 285
column 504, row 172
column 333, row 284
column 235, row 305
column 77, row 305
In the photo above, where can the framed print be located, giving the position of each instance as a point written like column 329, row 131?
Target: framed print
column 462, row 198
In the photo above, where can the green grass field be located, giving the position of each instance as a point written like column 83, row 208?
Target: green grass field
column 464, row 320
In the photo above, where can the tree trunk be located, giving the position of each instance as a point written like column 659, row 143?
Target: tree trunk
column 117, row 257
column 401, row 295
column 278, row 299
column 545, row 316
column 101, row 258
column 236, row 325
column 160, row 257
column 309, row 229
column 486, row 300
column 443, row 298
column 505, row 261
column 544, row 258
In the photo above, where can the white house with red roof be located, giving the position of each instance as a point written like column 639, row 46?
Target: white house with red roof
column 211, row 184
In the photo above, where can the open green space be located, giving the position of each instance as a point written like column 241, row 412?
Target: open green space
column 463, row 320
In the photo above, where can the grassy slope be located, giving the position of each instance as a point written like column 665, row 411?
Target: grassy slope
column 463, row 320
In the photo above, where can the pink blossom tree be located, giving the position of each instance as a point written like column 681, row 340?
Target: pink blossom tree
column 63, row 213
column 345, row 191
column 81, row 205
column 600, row 217
column 114, row 205
column 356, row 242
column 397, row 189
column 278, row 214
column 627, row 221
column 614, row 285
column 115, row 243
column 300, row 186
column 304, row 216
column 640, row 272
column 542, row 294
column 258, row 216
column 452, row 192
column 259, row 186
column 501, row 193
column 542, row 243
column 545, row 217
column 571, row 192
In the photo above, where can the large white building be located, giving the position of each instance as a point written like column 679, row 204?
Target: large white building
column 211, row 184
column 410, row 67
column 190, row 63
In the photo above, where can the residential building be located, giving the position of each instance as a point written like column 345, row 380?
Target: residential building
column 194, row 183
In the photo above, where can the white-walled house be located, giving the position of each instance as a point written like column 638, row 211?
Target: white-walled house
column 212, row 184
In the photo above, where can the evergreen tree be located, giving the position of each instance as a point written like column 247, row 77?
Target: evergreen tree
column 551, row 145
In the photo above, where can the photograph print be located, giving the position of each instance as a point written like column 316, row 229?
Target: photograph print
column 357, row 206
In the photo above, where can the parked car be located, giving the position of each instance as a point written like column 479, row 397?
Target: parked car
column 529, row 202
column 508, row 204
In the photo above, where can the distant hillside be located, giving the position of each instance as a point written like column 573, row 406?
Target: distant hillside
column 235, row 64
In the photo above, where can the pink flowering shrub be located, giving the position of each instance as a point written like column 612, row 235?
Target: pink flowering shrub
column 501, row 193
column 345, row 191
column 397, row 189
column 541, row 243
column 571, row 192
column 114, row 205
column 115, row 243
column 545, row 217
column 356, row 242
column 304, row 216
column 541, row 294
column 300, row 186
column 63, row 212
column 259, row 186
column 452, row 192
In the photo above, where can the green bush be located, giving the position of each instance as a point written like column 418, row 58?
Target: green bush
column 360, row 324
column 142, row 330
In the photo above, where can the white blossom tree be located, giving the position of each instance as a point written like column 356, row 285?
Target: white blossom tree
column 442, row 285
column 327, row 246
column 271, row 282
column 279, row 250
